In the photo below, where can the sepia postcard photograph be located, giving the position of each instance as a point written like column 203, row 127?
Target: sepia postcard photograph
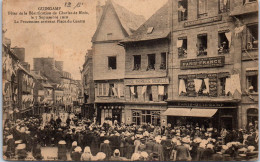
column 130, row 80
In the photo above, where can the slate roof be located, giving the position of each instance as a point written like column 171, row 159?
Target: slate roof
column 160, row 23
column 128, row 20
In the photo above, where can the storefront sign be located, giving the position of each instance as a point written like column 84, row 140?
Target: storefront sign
column 151, row 81
column 209, row 62
column 203, row 104
column 203, row 21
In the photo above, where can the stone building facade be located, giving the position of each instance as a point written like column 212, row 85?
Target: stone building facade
column 246, row 14
column 205, row 64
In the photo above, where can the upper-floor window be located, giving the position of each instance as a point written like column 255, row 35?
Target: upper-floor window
column 151, row 62
column 252, row 81
column 224, row 6
column 202, row 45
column 248, row 1
column 137, row 62
column 163, row 61
column 182, row 10
column 202, row 8
column 252, row 37
column 182, row 47
column 112, row 62
column 224, row 41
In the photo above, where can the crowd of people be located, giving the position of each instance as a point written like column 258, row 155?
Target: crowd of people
column 85, row 140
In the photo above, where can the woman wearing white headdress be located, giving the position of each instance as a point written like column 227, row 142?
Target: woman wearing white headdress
column 87, row 155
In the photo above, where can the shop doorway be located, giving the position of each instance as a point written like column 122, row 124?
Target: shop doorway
column 116, row 115
column 227, row 122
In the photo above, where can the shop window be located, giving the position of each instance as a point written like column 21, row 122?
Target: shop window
column 136, row 117
column 202, row 45
column 202, row 8
column 182, row 47
column 151, row 62
column 182, row 10
column 252, row 118
column 252, row 37
column 112, row 62
column 137, row 62
column 163, row 61
column 252, row 83
column 224, row 39
column 224, row 6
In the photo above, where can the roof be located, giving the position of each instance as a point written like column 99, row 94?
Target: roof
column 128, row 20
column 156, row 27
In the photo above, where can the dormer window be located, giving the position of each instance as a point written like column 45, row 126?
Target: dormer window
column 182, row 10
column 149, row 30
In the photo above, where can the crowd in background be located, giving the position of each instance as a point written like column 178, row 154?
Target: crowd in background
column 84, row 140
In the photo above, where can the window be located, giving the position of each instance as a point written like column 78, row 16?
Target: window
column 252, row 37
column 183, row 10
column 134, row 94
column 102, row 89
column 202, row 8
column 222, row 85
column 146, row 116
column 151, row 62
column 111, row 90
column 224, row 6
column 149, row 93
column 182, row 47
column 163, row 61
column 109, row 36
column 136, row 114
column 224, row 40
column 252, row 118
column 137, row 62
column 202, row 45
column 252, row 83
column 183, row 84
column 111, row 62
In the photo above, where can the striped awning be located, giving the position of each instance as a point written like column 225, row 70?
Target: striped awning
column 190, row 112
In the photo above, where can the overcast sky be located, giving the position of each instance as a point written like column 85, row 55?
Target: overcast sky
column 64, row 42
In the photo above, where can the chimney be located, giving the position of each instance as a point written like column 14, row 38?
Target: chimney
column 99, row 11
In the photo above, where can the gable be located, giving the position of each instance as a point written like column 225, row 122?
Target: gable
column 109, row 28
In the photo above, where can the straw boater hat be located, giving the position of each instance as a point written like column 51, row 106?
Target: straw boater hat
column 106, row 141
column 135, row 157
column 144, row 154
column 74, row 143
column 210, row 146
column 18, row 142
column 100, row 156
column 21, row 146
column 10, row 137
column 62, row 142
column 78, row 149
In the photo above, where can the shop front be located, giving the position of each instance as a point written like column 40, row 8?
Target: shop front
column 203, row 114
column 140, row 114
column 110, row 111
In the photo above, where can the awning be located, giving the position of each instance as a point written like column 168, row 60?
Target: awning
column 190, row 112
